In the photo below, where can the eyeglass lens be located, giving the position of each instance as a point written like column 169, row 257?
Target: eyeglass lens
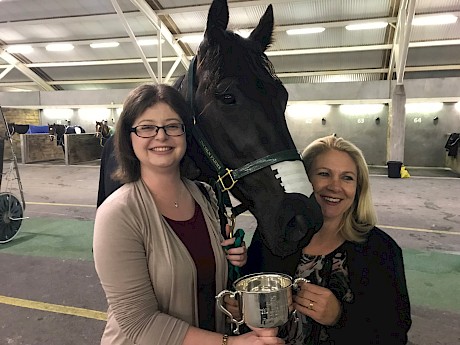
column 148, row 131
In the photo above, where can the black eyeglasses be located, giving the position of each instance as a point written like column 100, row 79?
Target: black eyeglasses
column 149, row 131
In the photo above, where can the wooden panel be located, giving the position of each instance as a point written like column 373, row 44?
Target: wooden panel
column 39, row 148
column 81, row 148
column 16, row 147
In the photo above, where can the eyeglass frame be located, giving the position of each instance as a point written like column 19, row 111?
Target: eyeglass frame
column 165, row 129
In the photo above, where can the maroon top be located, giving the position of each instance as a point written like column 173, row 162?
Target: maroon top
column 194, row 234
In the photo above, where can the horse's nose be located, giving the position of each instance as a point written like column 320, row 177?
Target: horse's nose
column 298, row 219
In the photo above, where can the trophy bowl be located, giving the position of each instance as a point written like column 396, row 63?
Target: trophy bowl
column 264, row 299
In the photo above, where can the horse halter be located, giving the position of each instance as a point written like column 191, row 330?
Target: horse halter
column 226, row 177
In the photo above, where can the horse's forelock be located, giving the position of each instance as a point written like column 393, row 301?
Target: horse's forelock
column 219, row 61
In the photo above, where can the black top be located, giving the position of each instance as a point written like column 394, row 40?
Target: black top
column 108, row 165
column 380, row 311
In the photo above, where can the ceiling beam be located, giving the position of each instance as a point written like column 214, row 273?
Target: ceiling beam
column 281, row 75
column 130, row 33
column 401, row 40
column 7, row 70
column 25, row 70
column 160, row 26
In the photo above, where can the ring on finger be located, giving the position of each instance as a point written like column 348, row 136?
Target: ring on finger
column 310, row 306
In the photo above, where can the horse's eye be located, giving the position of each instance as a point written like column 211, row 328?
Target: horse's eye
column 227, row 98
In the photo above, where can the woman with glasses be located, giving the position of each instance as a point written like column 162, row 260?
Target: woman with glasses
column 157, row 242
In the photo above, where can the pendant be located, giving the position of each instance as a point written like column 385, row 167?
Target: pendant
column 176, row 205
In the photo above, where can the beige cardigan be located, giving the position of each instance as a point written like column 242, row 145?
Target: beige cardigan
column 148, row 275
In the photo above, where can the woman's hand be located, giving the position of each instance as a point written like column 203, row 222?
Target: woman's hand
column 232, row 305
column 258, row 336
column 319, row 303
column 237, row 256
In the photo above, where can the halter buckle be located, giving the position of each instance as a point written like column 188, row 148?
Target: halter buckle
column 221, row 180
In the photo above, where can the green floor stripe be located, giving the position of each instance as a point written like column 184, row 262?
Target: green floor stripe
column 432, row 277
column 50, row 237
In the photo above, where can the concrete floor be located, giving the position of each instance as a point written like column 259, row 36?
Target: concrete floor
column 50, row 293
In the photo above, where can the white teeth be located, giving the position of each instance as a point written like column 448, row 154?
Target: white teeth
column 161, row 149
column 331, row 199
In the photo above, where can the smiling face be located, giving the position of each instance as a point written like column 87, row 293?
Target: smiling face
column 334, row 178
column 161, row 152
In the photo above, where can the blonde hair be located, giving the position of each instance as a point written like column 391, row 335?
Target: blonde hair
column 361, row 217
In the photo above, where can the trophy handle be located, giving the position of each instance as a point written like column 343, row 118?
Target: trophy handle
column 220, row 304
column 296, row 282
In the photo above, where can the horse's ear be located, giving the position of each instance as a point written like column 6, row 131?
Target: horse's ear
column 217, row 20
column 264, row 30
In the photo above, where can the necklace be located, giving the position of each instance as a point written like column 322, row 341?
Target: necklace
column 175, row 202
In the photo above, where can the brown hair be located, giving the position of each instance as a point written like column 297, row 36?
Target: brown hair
column 136, row 103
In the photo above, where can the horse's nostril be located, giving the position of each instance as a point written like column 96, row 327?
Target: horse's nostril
column 297, row 228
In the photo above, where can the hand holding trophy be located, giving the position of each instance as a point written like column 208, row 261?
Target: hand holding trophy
column 264, row 299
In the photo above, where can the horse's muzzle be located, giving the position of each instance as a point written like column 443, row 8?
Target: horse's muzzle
column 295, row 222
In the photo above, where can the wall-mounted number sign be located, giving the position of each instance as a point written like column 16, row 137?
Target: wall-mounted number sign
column 417, row 120
column 360, row 120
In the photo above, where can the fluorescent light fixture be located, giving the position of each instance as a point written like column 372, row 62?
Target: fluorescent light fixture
column 55, row 114
column 19, row 49
column 361, row 109
column 305, row 31
column 104, row 45
column 59, row 47
column 299, row 111
column 457, row 106
column 93, row 113
column 366, row 26
column 423, row 108
column 192, row 38
column 149, row 42
column 434, row 20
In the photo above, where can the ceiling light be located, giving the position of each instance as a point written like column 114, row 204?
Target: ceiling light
column 366, row 26
column 192, row 38
column 424, row 108
column 20, row 49
column 361, row 109
column 149, row 42
column 305, row 31
column 59, row 47
column 434, row 20
column 104, row 45
column 305, row 111
column 457, row 106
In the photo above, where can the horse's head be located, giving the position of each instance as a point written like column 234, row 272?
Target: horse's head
column 102, row 129
column 11, row 129
column 239, row 106
column 98, row 129
column 52, row 131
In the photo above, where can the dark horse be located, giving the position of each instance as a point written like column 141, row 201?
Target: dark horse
column 103, row 132
column 57, row 132
column 14, row 128
column 241, row 140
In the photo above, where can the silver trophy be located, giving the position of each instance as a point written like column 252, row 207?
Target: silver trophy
column 264, row 299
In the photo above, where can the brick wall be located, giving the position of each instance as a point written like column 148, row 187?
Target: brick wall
column 19, row 116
